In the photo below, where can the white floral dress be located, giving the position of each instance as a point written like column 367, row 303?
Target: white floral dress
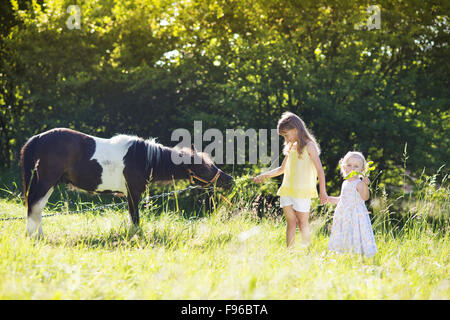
column 351, row 230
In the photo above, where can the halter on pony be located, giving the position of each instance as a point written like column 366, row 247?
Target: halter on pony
column 193, row 176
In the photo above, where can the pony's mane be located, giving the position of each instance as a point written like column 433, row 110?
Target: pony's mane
column 153, row 150
column 153, row 147
column 157, row 157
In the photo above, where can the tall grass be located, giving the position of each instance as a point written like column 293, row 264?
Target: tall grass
column 227, row 251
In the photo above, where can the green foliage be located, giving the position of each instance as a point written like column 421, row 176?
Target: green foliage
column 149, row 67
column 245, row 188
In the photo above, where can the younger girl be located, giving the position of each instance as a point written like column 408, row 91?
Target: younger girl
column 351, row 230
column 300, row 168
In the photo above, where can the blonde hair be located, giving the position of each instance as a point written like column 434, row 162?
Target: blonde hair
column 289, row 121
column 351, row 154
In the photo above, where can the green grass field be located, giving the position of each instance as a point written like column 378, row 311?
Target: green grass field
column 228, row 254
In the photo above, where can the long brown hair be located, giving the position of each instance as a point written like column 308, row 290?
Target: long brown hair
column 290, row 121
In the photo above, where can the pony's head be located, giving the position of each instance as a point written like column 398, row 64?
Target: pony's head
column 203, row 172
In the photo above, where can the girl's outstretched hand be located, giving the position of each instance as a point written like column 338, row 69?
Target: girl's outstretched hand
column 259, row 179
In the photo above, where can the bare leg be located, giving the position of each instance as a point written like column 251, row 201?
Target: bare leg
column 291, row 220
column 303, row 219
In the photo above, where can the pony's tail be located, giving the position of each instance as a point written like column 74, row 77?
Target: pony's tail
column 27, row 160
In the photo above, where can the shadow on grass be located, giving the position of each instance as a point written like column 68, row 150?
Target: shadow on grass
column 145, row 237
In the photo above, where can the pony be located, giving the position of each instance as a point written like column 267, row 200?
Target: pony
column 122, row 165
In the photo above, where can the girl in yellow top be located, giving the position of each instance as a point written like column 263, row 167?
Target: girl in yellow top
column 300, row 167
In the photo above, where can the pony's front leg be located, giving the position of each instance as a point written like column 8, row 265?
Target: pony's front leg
column 135, row 185
column 133, row 207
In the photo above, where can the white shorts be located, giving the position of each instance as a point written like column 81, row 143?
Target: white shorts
column 299, row 204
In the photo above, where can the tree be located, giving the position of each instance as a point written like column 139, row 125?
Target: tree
column 149, row 67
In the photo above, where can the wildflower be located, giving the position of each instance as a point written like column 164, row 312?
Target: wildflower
column 369, row 167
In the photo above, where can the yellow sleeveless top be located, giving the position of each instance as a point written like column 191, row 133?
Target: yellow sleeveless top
column 300, row 176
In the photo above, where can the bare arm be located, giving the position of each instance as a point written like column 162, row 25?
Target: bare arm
column 272, row 173
column 314, row 155
column 363, row 188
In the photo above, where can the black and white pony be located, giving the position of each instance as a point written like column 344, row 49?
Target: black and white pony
column 122, row 164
